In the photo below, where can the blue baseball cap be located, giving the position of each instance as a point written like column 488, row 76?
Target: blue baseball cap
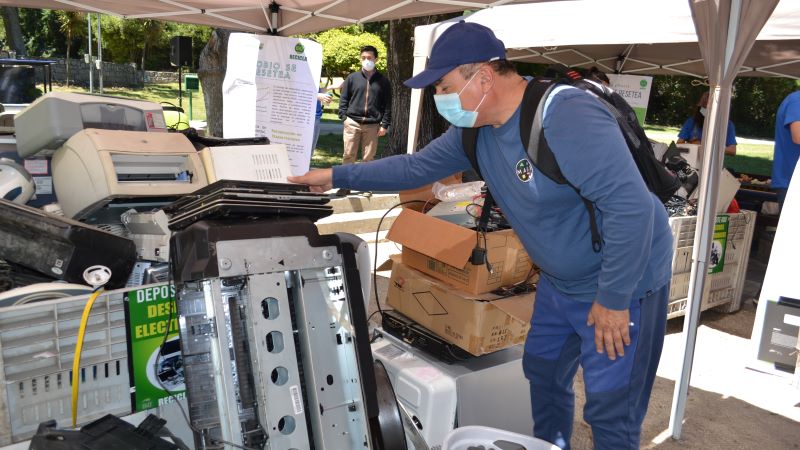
column 462, row 43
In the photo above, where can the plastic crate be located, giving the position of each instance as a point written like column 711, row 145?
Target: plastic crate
column 477, row 437
column 37, row 345
column 723, row 288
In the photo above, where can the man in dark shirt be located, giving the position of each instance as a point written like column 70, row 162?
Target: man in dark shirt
column 365, row 107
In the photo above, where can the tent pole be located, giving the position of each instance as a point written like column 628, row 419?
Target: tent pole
column 716, row 128
column 415, row 113
column 91, row 63
column 99, row 55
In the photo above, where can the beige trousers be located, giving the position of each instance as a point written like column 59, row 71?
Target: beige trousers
column 356, row 136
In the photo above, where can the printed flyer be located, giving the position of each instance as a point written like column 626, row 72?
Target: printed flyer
column 716, row 259
column 153, row 376
column 270, row 89
column 635, row 89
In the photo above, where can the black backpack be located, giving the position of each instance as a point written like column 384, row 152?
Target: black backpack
column 660, row 180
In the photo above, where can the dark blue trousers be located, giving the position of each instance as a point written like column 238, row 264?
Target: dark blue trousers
column 617, row 392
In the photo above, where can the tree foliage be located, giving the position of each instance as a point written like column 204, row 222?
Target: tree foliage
column 146, row 41
column 753, row 106
column 51, row 33
column 341, row 50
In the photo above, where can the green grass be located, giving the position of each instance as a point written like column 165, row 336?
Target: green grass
column 330, row 148
column 328, row 152
column 331, row 110
column 751, row 158
column 157, row 93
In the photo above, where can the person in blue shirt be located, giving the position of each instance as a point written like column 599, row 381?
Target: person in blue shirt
column 605, row 311
column 787, row 144
column 692, row 130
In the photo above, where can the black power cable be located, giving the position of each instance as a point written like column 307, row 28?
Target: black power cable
column 375, row 260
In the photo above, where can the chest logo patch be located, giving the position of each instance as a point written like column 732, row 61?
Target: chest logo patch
column 524, row 170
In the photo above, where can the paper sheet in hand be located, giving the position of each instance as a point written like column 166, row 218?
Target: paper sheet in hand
column 267, row 163
column 270, row 89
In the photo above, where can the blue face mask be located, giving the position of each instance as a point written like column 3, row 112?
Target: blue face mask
column 449, row 106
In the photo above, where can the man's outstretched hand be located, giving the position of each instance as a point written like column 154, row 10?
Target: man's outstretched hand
column 318, row 180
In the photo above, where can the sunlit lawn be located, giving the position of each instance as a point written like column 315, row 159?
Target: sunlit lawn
column 166, row 94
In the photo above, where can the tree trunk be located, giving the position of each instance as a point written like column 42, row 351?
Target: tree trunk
column 13, row 31
column 400, row 62
column 211, row 71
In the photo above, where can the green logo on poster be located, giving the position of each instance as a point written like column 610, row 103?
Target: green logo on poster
column 299, row 48
column 643, row 83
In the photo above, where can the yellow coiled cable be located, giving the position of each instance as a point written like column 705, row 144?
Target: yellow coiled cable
column 77, row 360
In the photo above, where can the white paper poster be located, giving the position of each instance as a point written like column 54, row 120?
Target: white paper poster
column 270, row 89
column 635, row 89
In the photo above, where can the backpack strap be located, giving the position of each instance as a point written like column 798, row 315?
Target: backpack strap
column 469, row 141
column 531, row 132
column 539, row 151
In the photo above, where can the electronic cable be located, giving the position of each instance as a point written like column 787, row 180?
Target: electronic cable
column 375, row 259
column 76, row 362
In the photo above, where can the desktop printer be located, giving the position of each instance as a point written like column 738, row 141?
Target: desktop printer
column 49, row 121
column 99, row 174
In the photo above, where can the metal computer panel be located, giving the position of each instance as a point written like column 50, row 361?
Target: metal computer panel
column 214, row 365
column 339, row 421
column 275, row 339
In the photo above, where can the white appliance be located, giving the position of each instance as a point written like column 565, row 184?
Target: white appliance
column 264, row 163
column 489, row 390
column 95, row 169
column 48, row 122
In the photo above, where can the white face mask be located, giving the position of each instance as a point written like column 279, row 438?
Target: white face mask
column 368, row 65
column 449, row 107
column 703, row 111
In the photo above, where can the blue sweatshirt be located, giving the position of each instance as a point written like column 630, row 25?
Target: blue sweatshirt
column 550, row 219
column 787, row 152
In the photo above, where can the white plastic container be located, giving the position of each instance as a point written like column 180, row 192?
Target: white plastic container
column 426, row 392
column 470, row 437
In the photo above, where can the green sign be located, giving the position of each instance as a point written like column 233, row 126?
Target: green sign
column 150, row 311
column 191, row 82
column 716, row 260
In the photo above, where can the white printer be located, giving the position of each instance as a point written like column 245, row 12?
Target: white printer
column 110, row 171
column 53, row 118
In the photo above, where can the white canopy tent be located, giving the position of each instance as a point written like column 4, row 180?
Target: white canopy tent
column 291, row 16
column 652, row 37
column 711, row 38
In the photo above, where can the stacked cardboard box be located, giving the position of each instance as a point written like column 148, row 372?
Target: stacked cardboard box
column 435, row 284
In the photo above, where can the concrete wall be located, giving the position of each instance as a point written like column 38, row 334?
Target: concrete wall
column 114, row 75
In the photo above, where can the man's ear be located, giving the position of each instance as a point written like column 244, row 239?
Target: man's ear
column 487, row 78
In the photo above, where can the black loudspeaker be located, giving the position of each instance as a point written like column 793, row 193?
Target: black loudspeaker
column 180, row 51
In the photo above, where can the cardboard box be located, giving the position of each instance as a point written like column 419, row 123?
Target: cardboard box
column 442, row 250
column 479, row 324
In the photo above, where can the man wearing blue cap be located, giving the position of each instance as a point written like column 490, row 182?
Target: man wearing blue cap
column 603, row 310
